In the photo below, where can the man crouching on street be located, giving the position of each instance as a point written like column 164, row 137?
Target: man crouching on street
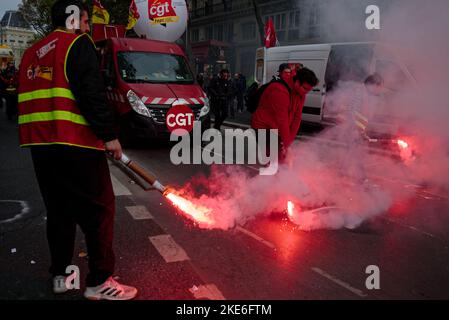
column 64, row 119
column 281, row 104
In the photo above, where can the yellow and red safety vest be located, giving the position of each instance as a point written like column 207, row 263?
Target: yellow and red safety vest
column 48, row 113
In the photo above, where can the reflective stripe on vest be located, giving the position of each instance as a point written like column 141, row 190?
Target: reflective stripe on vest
column 51, row 116
column 45, row 94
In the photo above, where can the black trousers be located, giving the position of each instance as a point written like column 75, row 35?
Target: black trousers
column 77, row 190
column 11, row 105
column 239, row 101
column 220, row 110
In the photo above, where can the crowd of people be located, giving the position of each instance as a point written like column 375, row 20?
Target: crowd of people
column 225, row 93
column 8, row 89
column 280, row 102
column 279, row 107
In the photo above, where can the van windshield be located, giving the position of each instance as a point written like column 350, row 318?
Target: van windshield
column 152, row 67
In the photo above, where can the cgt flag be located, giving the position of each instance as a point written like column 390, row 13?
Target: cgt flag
column 270, row 34
column 162, row 12
column 99, row 14
column 133, row 15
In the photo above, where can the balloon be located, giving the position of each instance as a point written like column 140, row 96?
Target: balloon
column 164, row 20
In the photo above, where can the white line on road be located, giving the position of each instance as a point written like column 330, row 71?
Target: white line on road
column 139, row 212
column 119, row 188
column 256, row 237
column 414, row 229
column 207, row 291
column 168, row 248
column 340, row 282
column 411, row 185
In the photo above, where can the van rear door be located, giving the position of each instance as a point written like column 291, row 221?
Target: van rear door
column 316, row 61
column 260, row 65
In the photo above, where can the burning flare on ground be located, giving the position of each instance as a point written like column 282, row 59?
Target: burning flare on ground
column 199, row 214
column 292, row 213
column 402, row 144
column 406, row 151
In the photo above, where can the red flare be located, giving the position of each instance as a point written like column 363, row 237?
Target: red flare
column 197, row 213
column 293, row 212
column 402, row 144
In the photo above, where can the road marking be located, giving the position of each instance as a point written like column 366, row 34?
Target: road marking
column 411, row 185
column 168, row 248
column 139, row 212
column 23, row 211
column 207, row 291
column 256, row 237
column 339, row 282
column 119, row 188
column 415, row 229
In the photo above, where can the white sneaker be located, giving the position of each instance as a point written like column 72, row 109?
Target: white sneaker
column 59, row 285
column 110, row 290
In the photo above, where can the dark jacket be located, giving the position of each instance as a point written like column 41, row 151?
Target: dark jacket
column 87, row 85
column 220, row 89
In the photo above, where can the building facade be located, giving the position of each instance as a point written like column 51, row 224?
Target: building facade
column 224, row 33
column 16, row 33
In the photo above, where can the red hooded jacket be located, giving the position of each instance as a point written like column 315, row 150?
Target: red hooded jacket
column 279, row 110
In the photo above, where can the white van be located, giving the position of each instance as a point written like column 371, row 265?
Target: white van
column 332, row 63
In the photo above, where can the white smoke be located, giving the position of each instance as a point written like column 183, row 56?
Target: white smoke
column 320, row 175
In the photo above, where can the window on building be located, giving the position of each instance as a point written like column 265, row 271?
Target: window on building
column 293, row 34
column 293, row 21
column 229, row 32
column 314, row 21
column 195, row 35
column 218, row 32
column 209, row 32
column 248, row 30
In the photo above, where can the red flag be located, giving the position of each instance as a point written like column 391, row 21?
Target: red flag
column 270, row 34
column 133, row 15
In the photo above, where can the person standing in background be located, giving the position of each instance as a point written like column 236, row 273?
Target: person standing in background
column 220, row 91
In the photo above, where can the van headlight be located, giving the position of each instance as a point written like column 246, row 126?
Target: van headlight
column 137, row 104
column 205, row 109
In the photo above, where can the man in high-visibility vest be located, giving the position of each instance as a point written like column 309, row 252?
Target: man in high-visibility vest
column 64, row 119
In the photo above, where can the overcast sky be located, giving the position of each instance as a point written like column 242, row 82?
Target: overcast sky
column 8, row 5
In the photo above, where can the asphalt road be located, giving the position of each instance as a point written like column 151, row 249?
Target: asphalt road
column 167, row 257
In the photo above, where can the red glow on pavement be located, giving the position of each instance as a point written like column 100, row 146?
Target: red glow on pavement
column 197, row 213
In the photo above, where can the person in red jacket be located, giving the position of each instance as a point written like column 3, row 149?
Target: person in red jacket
column 279, row 109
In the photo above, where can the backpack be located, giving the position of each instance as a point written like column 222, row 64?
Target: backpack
column 254, row 93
